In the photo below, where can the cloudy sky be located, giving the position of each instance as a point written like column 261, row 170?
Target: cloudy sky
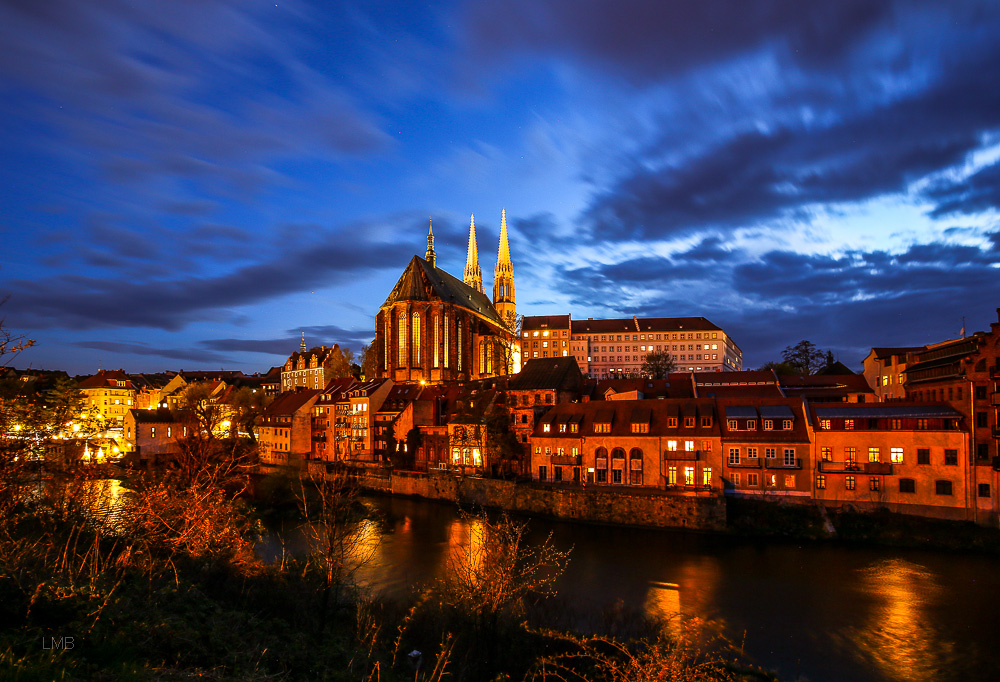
column 194, row 184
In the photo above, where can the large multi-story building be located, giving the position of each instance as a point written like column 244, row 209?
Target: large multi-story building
column 109, row 393
column 885, row 371
column 435, row 328
column 313, row 368
column 617, row 347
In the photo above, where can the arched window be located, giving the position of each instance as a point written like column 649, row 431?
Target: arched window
column 387, row 341
column 601, row 465
column 459, row 343
column 437, row 339
column 402, row 340
column 482, row 357
column 446, row 351
column 415, row 328
column 635, row 453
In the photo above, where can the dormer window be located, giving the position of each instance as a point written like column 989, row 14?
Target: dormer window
column 733, row 425
column 768, row 424
column 786, row 424
column 751, row 425
column 546, row 428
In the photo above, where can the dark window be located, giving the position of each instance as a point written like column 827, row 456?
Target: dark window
column 980, row 393
column 984, row 489
column 923, row 455
column 542, row 474
column 558, row 473
column 980, row 419
column 982, row 451
column 942, row 487
column 906, row 485
column 951, row 457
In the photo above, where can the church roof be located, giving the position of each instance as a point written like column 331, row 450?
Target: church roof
column 421, row 281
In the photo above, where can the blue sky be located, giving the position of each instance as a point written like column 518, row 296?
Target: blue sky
column 193, row 185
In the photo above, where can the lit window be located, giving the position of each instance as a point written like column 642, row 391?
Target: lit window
column 896, row 455
column 849, row 482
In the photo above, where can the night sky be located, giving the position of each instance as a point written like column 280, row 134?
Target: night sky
column 193, row 184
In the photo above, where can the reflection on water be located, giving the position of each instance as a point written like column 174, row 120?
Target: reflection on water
column 822, row 612
column 899, row 635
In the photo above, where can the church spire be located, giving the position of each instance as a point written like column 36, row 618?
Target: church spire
column 430, row 256
column 503, row 278
column 303, row 346
column 473, row 274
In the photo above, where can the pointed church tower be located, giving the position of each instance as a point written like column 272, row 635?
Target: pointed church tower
column 430, row 256
column 302, row 347
column 503, row 279
column 473, row 274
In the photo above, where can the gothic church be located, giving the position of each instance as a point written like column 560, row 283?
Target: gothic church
column 435, row 328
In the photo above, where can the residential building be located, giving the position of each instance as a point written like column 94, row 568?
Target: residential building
column 313, row 368
column 610, row 348
column 965, row 373
column 766, row 447
column 284, row 429
column 884, row 370
column 911, row 458
column 152, row 434
column 109, row 393
column 664, row 443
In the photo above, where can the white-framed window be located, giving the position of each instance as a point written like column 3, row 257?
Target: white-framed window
column 789, row 457
column 734, row 455
column 786, row 424
column 896, row 455
column 768, row 424
column 752, row 453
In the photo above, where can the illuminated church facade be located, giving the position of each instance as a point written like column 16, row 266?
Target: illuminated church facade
column 435, row 328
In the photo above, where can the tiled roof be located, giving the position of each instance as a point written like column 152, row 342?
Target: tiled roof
column 646, row 324
column 290, row 402
column 885, row 411
column 106, row 378
column 545, row 322
column 158, row 416
column 547, row 374
column 888, row 351
column 413, row 286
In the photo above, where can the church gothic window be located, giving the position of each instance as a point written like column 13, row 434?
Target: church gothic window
column 416, row 338
column 446, row 340
column 437, row 339
column 402, row 340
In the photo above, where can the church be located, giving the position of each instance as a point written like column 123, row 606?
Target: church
column 435, row 328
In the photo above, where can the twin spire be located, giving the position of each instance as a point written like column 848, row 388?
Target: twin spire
column 503, row 274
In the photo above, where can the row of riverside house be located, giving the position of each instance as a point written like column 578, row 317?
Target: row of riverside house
column 929, row 450
column 742, row 434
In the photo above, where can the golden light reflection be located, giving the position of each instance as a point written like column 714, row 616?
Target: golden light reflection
column 899, row 636
column 663, row 601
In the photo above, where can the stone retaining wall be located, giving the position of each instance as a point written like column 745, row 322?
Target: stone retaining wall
column 630, row 507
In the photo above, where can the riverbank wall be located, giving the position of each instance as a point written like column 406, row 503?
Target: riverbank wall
column 644, row 508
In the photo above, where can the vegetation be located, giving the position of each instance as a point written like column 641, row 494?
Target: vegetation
column 658, row 364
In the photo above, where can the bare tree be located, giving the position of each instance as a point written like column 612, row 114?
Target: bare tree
column 339, row 541
column 10, row 343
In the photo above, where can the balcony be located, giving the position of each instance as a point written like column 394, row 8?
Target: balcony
column 782, row 463
column 995, row 372
column 745, row 464
column 566, row 460
column 825, row 467
column 996, row 431
column 878, row 467
column 995, row 399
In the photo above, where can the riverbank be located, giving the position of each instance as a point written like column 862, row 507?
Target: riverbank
column 646, row 508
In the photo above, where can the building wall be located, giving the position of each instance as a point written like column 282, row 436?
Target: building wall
column 834, row 476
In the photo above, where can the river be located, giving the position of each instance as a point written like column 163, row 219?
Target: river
column 823, row 613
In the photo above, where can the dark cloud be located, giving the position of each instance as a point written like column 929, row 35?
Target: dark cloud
column 153, row 92
column 652, row 40
column 977, row 193
column 119, row 348
column 325, row 335
column 81, row 302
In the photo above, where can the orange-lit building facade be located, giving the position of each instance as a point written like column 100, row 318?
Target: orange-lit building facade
column 908, row 457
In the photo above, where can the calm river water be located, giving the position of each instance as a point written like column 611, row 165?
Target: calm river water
column 822, row 613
